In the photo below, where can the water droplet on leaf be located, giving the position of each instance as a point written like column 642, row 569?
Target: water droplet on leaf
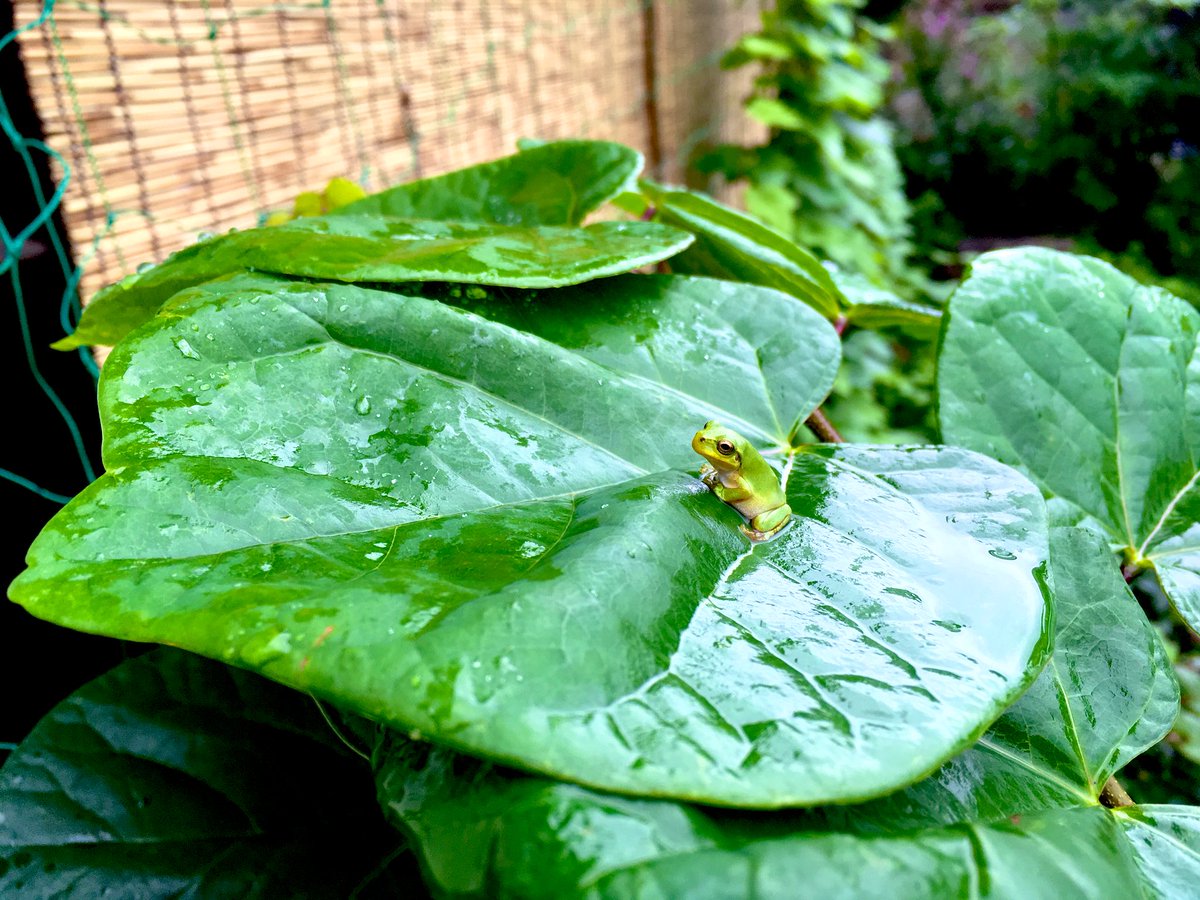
column 185, row 348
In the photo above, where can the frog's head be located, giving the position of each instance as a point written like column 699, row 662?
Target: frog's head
column 721, row 446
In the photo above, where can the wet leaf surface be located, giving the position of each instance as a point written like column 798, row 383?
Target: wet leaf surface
column 488, row 535
column 1016, row 815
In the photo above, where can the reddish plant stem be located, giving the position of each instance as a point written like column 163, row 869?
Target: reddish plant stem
column 839, row 325
column 823, row 428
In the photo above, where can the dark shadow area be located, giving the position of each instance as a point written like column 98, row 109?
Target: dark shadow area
column 42, row 663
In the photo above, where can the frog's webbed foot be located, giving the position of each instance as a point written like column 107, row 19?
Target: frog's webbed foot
column 759, row 536
column 709, row 475
column 769, row 524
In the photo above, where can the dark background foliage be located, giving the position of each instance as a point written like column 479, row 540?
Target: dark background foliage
column 1072, row 119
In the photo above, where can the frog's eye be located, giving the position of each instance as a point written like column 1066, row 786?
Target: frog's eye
column 725, row 448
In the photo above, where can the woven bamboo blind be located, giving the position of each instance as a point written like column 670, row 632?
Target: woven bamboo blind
column 183, row 116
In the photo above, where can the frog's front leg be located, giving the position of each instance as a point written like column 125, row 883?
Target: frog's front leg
column 708, row 474
column 767, row 524
column 733, row 491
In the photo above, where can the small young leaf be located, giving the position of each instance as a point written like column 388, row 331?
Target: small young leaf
column 873, row 307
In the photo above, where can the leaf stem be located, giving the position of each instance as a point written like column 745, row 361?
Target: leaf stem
column 839, row 324
column 337, row 731
column 654, row 148
column 823, row 428
column 1113, row 796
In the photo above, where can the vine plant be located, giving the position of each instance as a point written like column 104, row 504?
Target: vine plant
column 426, row 459
column 827, row 175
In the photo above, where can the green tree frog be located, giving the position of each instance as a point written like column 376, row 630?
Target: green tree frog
column 739, row 476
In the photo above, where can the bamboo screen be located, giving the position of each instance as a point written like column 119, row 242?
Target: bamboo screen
column 178, row 117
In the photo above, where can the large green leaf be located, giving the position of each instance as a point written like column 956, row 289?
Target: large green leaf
column 174, row 776
column 481, row 533
column 555, row 183
column 382, row 249
column 1035, row 777
column 730, row 244
column 1089, row 381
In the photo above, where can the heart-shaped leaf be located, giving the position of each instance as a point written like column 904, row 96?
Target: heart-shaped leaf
column 730, row 244
column 176, row 776
column 1090, row 382
column 555, row 183
column 1107, row 694
column 474, row 531
column 381, row 249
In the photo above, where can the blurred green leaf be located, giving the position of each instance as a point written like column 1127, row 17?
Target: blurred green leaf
column 756, row 46
column 1187, row 726
column 826, row 175
column 776, row 114
column 731, row 245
